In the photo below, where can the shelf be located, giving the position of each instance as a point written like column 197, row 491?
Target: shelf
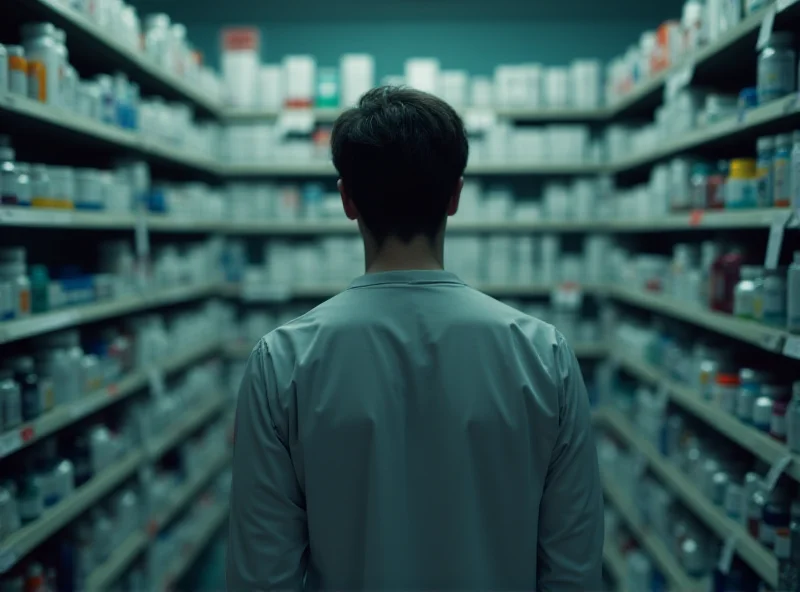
column 666, row 562
column 18, row 544
column 86, row 38
column 105, row 575
column 24, row 217
column 753, row 553
column 89, row 313
column 66, row 415
column 329, row 115
column 763, row 336
column 739, row 35
column 326, row 169
column 782, row 110
column 215, row 517
column 700, row 220
column 83, row 128
column 185, row 427
column 614, row 562
column 757, row 443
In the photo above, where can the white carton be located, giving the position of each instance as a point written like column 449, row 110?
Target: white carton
column 357, row 77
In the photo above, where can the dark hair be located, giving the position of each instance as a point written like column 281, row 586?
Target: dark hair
column 400, row 154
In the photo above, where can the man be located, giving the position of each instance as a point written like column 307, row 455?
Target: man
column 412, row 433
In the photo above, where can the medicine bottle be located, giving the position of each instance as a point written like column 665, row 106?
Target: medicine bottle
column 782, row 166
column 776, row 68
column 745, row 293
column 10, row 399
column 3, row 69
column 17, row 71
column 740, row 190
column 8, row 173
column 14, row 270
column 24, row 196
column 44, row 62
column 25, row 375
column 773, row 299
column 766, row 153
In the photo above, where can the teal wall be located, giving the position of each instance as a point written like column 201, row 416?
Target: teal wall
column 471, row 34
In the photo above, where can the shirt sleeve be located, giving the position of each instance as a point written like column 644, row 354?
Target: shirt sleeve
column 268, row 538
column 571, row 512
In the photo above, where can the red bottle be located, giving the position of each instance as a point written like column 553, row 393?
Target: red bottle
column 725, row 273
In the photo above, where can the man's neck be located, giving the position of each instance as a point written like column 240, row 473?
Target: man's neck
column 394, row 255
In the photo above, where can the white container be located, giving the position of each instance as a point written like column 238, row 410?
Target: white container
column 777, row 76
column 423, row 74
column 773, row 299
column 744, row 295
column 3, row 69
column 793, row 295
column 240, row 64
column 17, row 76
column 357, row 76
column 16, row 275
column 299, row 79
column 270, row 89
column 40, row 46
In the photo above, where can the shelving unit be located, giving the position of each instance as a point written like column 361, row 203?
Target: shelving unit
column 104, row 576
column 753, row 553
column 676, row 577
column 757, row 443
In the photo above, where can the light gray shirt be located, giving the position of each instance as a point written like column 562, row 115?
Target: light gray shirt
column 412, row 433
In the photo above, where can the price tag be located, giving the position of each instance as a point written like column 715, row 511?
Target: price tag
column 766, row 28
column 775, row 471
column 791, row 348
column 696, row 218
column 10, row 442
column 776, row 239
column 156, row 379
column 726, row 555
column 8, row 558
column 296, row 121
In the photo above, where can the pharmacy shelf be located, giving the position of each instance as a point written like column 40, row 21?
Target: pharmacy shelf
column 757, row 443
column 754, row 554
column 35, row 111
column 186, row 426
column 18, row 544
column 701, row 220
column 667, row 563
column 212, row 520
column 737, row 39
column 89, row 313
column 90, row 39
column 763, row 336
column 783, row 110
column 614, row 562
column 23, row 217
column 126, row 141
column 104, row 576
column 326, row 169
column 329, row 115
column 66, row 415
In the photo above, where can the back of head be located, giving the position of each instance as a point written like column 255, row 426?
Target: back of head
column 400, row 155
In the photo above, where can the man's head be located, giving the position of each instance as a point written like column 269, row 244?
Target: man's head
column 401, row 154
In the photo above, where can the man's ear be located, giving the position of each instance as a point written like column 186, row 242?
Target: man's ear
column 350, row 209
column 452, row 207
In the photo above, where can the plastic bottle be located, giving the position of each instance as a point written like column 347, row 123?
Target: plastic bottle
column 25, row 375
column 750, row 383
column 776, row 68
column 793, row 420
column 740, row 189
column 782, row 167
column 793, row 295
column 41, row 50
column 24, row 195
column 14, row 270
column 40, row 289
column 744, row 294
column 3, row 69
column 31, row 503
column 11, row 399
column 772, row 305
column 17, row 71
column 8, row 173
column 764, row 171
column 791, row 575
column 725, row 274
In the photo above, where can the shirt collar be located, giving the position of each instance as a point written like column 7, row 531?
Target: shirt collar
column 411, row 277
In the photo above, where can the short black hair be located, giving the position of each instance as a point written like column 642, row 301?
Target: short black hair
column 400, row 154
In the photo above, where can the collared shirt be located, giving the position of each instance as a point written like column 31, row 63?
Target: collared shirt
column 412, row 433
